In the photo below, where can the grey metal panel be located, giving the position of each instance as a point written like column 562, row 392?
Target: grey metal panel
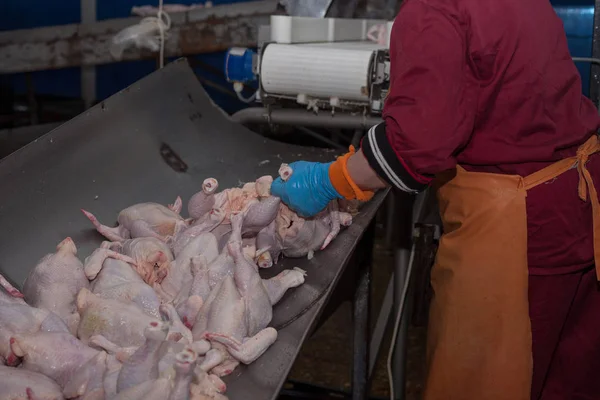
column 12, row 139
column 109, row 158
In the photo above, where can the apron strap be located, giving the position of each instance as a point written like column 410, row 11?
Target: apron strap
column 586, row 184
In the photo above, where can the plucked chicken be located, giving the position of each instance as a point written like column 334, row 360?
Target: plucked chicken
column 166, row 306
column 18, row 383
column 18, row 317
column 141, row 220
column 55, row 281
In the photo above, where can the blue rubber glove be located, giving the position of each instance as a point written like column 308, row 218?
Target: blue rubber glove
column 309, row 190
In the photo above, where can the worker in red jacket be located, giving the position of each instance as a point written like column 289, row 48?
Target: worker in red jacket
column 485, row 104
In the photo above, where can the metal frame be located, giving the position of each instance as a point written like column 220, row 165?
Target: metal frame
column 360, row 306
column 354, row 285
column 412, row 231
column 419, row 232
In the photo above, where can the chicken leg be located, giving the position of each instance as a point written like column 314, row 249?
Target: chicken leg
column 203, row 201
column 143, row 364
column 249, row 349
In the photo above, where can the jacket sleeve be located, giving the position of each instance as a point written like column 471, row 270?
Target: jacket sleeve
column 430, row 108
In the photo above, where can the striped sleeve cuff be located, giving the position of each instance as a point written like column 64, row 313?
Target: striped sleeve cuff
column 382, row 158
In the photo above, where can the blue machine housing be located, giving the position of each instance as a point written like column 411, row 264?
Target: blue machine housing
column 239, row 65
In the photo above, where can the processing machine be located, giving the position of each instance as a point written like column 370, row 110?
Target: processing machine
column 331, row 65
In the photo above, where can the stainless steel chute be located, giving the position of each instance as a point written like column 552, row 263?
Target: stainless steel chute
column 153, row 141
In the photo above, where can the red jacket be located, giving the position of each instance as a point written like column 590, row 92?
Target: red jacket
column 490, row 85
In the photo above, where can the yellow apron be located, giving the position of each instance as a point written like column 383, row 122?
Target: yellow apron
column 479, row 335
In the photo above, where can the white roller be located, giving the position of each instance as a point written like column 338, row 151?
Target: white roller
column 316, row 71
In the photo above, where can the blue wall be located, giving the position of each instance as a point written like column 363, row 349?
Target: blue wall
column 577, row 17
column 578, row 20
column 22, row 14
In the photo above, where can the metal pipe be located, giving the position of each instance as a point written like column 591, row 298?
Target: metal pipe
column 587, row 59
column 303, row 118
column 392, row 209
column 381, row 325
column 404, row 260
column 360, row 321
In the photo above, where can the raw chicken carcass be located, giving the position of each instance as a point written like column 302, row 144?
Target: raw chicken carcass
column 18, row 383
column 176, row 206
column 152, row 257
column 121, row 323
column 57, row 355
column 121, row 354
column 184, row 367
column 293, row 236
column 93, row 263
column 259, row 214
column 14, row 295
column 117, row 280
column 297, row 236
column 202, row 202
column 208, row 273
column 17, row 317
column 335, row 219
column 158, row 389
column 239, row 308
column 207, row 387
column 268, row 239
column 180, row 362
column 143, row 364
column 179, row 280
column 207, row 223
column 55, row 281
column 141, row 220
column 87, row 383
column 111, row 375
column 230, row 201
column 178, row 331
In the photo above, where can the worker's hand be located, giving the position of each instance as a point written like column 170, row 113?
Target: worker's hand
column 308, row 190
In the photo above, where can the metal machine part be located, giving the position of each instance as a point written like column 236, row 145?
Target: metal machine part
column 334, row 64
column 302, row 118
column 157, row 139
column 325, row 76
column 240, row 65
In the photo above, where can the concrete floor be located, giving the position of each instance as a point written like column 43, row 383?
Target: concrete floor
column 326, row 358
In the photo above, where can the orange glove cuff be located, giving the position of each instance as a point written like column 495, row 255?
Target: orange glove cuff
column 343, row 183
